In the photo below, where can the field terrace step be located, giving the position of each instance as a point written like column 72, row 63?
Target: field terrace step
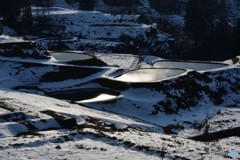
column 20, row 123
column 64, row 120
column 14, row 117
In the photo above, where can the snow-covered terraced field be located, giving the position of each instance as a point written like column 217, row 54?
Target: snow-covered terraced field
column 77, row 105
column 108, row 32
column 122, row 119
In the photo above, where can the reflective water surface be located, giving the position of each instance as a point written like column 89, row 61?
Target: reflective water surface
column 65, row 56
column 149, row 75
column 197, row 66
column 101, row 97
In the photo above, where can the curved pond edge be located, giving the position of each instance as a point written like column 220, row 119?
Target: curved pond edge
column 85, row 56
column 183, row 72
column 189, row 62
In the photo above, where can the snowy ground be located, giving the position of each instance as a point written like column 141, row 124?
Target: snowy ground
column 171, row 115
column 129, row 125
column 98, row 31
column 98, row 135
column 6, row 39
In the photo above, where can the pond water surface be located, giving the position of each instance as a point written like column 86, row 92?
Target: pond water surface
column 67, row 56
column 149, row 75
column 197, row 66
column 101, row 97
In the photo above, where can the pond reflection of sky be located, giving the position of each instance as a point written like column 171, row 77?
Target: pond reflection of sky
column 101, row 97
column 197, row 66
column 61, row 56
column 149, row 75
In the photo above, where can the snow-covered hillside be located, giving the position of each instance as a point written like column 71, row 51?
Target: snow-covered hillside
column 30, row 132
column 83, row 104
column 111, row 119
column 101, row 32
column 233, row 7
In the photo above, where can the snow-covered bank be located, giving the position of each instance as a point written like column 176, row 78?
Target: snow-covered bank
column 97, row 135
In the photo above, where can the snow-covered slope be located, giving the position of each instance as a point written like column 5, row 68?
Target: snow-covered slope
column 7, row 38
column 233, row 7
column 181, row 102
column 75, row 106
column 103, row 32
column 29, row 133
column 127, row 120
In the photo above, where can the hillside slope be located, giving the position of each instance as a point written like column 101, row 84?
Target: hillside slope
column 28, row 133
column 151, row 120
column 101, row 32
